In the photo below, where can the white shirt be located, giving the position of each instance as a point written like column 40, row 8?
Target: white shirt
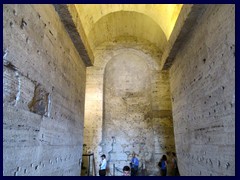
column 103, row 164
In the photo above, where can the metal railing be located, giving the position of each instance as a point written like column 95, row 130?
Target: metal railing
column 89, row 164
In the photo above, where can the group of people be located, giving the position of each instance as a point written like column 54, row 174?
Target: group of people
column 134, row 165
column 163, row 164
column 127, row 171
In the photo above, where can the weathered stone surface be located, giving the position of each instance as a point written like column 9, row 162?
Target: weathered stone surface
column 127, row 99
column 11, row 84
column 72, row 23
column 42, row 69
column 202, row 82
column 39, row 103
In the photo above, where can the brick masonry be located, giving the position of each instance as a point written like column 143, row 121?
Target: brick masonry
column 43, row 94
column 202, row 83
column 128, row 108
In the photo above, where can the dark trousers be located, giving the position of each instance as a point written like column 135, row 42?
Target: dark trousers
column 176, row 172
column 163, row 172
column 134, row 172
column 102, row 172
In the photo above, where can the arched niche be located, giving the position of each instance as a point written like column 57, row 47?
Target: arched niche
column 126, row 103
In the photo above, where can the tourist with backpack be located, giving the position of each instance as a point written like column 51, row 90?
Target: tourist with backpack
column 163, row 165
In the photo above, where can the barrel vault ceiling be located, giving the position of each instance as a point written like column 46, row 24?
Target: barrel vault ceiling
column 93, row 25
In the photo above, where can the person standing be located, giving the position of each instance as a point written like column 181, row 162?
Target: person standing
column 163, row 165
column 175, row 165
column 102, row 166
column 134, row 165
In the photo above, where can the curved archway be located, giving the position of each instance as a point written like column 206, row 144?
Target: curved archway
column 118, row 27
column 152, row 103
column 165, row 15
column 127, row 102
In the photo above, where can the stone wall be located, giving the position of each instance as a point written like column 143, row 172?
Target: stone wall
column 128, row 108
column 43, row 94
column 202, row 83
column 127, row 103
